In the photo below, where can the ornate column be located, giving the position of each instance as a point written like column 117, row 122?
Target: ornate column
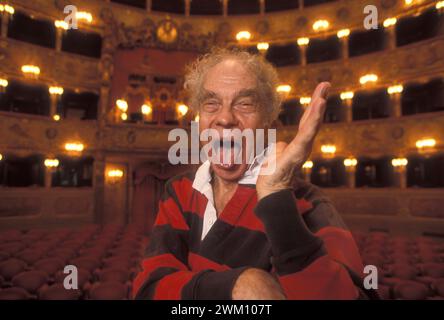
column 53, row 105
column 303, row 48
column 262, row 7
column 187, row 8
column 59, row 36
column 99, row 187
column 48, row 177
column 149, row 4
column 344, row 47
column 106, row 68
column 400, row 172
column 347, row 98
column 301, row 4
column 390, row 37
column 225, row 8
column 350, row 172
column 396, row 107
column 5, row 21
column 306, row 170
column 51, row 163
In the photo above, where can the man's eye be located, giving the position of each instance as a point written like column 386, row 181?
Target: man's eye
column 245, row 106
column 210, row 106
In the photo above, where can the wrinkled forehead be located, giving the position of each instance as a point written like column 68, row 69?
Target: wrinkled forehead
column 229, row 73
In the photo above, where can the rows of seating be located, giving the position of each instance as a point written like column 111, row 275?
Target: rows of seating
column 32, row 262
column 409, row 268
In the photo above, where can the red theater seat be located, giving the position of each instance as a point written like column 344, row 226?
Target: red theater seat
column 31, row 281
column 110, row 290
column 58, row 292
column 9, row 268
column 10, row 235
column 49, row 265
column 114, row 274
column 84, row 278
column 410, row 290
column 37, row 233
column 87, row 263
column 373, row 259
column 127, row 253
column 4, row 256
column 383, row 291
column 30, row 255
column 438, row 286
column 403, row 271
column 428, row 281
column 434, row 270
column 435, row 298
column 97, row 252
column 63, row 254
column 73, row 245
column 390, row 281
column 12, row 247
column 14, row 294
column 403, row 258
column 118, row 262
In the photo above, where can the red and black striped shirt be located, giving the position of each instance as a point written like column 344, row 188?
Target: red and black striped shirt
column 295, row 234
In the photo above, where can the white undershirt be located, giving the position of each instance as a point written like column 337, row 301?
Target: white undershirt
column 202, row 183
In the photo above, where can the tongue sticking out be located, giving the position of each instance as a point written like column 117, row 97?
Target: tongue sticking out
column 227, row 154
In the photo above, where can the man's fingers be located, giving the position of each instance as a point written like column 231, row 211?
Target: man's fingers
column 320, row 93
column 309, row 126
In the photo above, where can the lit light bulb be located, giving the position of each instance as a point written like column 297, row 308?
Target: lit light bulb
column 283, row 88
column 55, row 90
column 389, row 22
column 303, row 41
column 395, row 89
column 51, row 163
column 122, row 105
column 262, row 46
column 343, row 33
column 328, row 148
column 347, row 95
column 320, row 25
column 307, row 164
column 243, row 36
column 74, row 146
column 399, row 162
column 85, row 16
column 425, row 143
column 182, row 109
column 305, row 101
column 146, row 109
column 368, row 78
column 61, row 24
column 350, row 162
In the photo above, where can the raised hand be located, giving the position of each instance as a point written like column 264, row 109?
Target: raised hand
column 290, row 157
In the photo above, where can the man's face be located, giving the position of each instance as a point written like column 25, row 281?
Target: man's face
column 230, row 101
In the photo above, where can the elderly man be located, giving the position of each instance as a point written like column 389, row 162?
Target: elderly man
column 228, row 232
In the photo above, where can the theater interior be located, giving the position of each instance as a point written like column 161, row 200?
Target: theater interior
column 85, row 114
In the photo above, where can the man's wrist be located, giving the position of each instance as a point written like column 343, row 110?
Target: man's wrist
column 262, row 193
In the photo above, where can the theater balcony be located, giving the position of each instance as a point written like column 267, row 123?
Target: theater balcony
column 85, row 113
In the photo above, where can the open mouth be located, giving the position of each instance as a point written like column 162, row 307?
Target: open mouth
column 227, row 153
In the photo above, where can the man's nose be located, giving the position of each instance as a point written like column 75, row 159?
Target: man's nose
column 226, row 119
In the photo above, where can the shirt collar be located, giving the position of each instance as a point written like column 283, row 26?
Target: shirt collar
column 202, row 178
